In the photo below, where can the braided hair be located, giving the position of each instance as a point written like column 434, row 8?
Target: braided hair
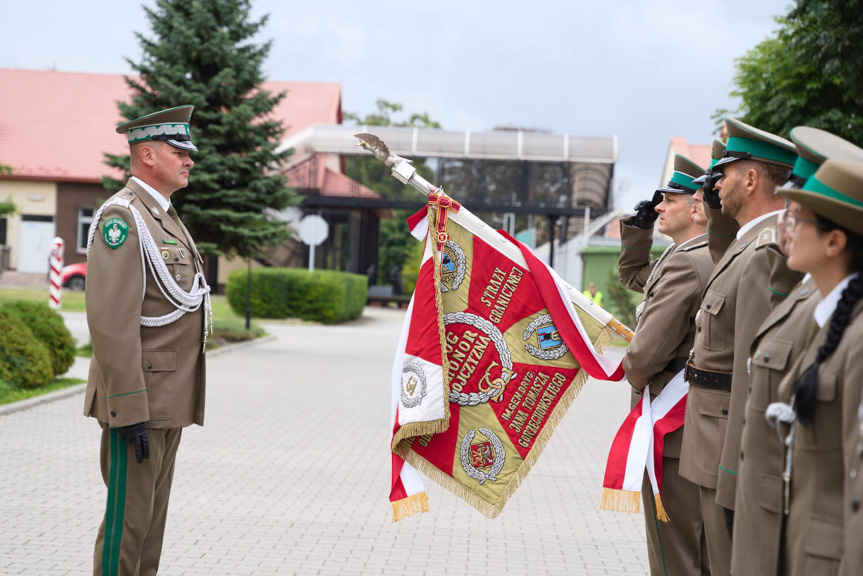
column 805, row 388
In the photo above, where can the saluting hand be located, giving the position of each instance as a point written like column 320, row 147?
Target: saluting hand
column 711, row 194
column 137, row 434
column 645, row 212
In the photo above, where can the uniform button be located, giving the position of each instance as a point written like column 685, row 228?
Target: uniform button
column 750, row 387
column 113, row 413
column 149, row 365
column 699, row 328
column 176, row 258
column 744, row 421
column 767, row 357
column 855, row 504
column 741, row 455
column 725, row 411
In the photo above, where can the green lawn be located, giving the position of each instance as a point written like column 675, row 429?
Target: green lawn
column 9, row 394
column 74, row 301
column 70, row 301
column 228, row 325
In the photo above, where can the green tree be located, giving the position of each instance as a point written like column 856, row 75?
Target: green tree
column 620, row 302
column 7, row 207
column 394, row 241
column 201, row 53
column 808, row 72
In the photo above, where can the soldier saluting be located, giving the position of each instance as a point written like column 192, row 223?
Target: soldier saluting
column 147, row 303
column 672, row 287
column 735, row 302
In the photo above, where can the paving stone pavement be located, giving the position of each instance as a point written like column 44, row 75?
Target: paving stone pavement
column 290, row 475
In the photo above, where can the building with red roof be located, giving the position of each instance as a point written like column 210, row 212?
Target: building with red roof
column 56, row 127
column 698, row 153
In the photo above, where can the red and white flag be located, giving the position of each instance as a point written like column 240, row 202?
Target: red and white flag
column 638, row 446
column 491, row 354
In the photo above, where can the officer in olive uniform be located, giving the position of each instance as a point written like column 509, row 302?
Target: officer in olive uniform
column 736, row 301
column 824, row 386
column 672, row 287
column 147, row 303
column 758, row 505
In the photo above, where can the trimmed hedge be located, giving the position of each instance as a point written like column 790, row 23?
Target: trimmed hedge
column 24, row 361
column 322, row 296
column 48, row 327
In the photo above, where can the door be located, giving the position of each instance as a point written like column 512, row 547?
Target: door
column 35, row 243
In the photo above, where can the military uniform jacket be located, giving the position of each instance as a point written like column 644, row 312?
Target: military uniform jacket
column 758, row 502
column 814, row 534
column 142, row 374
column 736, row 301
column 672, row 297
column 853, row 451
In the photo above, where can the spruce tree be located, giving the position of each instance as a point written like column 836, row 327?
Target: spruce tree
column 200, row 53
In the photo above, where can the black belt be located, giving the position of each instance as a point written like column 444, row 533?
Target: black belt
column 675, row 365
column 708, row 378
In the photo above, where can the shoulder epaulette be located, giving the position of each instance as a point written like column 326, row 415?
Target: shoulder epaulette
column 702, row 244
column 767, row 237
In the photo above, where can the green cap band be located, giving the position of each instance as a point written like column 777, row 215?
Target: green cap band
column 818, row 187
column 144, row 133
column 760, row 149
column 804, row 168
column 685, row 180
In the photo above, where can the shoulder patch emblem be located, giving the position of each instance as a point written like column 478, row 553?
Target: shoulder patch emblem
column 115, row 231
column 767, row 237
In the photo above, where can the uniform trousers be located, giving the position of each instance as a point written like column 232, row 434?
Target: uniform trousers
column 676, row 547
column 130, row 537
column 716, row 530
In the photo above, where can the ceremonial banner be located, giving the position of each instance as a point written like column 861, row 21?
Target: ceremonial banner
column 491, row 355
column 638, row 446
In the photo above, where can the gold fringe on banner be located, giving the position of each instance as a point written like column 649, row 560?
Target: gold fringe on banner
column 661, row 515
column 489, row 509
column 411, row 430
column 409, row 506
column 620, row 500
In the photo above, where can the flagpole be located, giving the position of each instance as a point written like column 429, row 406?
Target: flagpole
column 405, row 173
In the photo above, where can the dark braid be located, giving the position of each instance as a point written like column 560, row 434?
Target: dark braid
column 805, row 388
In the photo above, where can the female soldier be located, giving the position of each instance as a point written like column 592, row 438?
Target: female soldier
column 758, row 501
column 824, row 386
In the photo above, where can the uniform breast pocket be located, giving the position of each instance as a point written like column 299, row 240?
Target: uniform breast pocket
column 713, row 320
column 159, row 368
column 770, row 362
column 179, row 263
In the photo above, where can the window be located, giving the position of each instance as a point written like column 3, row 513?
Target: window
column 85, row 217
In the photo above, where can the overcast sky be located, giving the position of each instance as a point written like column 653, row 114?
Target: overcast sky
column 643, row 70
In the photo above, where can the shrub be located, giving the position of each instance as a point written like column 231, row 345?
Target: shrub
column 24, row 361
column 48, row 327
column 323, row 295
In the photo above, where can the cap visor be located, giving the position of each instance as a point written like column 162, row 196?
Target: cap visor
column 182, row 145
column 723, row 161
column 670, row 190
column 842, row 213
column 700, row 180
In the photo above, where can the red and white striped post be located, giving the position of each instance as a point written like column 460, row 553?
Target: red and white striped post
column 56, row 288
